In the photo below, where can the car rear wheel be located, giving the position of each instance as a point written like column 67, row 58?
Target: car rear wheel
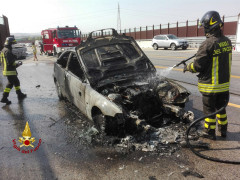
column 155, row 46
column 173, row 46
column 59, row 91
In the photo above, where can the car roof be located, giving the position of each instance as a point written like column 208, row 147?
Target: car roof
column 164, row 35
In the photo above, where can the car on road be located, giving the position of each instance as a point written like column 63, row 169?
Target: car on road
column 169, row 41
column 20, row 51
column 113, row 83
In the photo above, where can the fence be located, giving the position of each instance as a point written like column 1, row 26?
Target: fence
column 180, row 29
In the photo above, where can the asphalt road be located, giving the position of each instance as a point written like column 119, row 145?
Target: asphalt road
column 64, row 154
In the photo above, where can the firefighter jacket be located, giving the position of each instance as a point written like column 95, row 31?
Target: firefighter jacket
column 213, row 63
column 8, row 62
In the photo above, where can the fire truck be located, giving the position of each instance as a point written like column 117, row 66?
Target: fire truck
column 57, row 40
column 4, row 30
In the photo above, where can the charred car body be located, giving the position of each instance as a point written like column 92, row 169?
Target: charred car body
column 112, row 82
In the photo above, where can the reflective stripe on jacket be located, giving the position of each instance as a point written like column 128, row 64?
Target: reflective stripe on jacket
column 8, row 62
column 213, row 62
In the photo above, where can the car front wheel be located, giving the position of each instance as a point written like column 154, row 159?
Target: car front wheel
column 155, row 46
column 100, row 123
column 173, row 46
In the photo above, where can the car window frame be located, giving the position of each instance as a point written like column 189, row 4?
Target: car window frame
column 83, row 78
column 67, row 53
column 165, row 37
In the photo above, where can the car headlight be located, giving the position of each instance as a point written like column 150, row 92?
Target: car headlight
column 62, row 49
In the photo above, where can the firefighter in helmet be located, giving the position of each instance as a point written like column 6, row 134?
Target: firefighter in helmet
column 213, row 65
column 9, row 70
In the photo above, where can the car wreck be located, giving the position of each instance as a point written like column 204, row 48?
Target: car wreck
column 111, row 81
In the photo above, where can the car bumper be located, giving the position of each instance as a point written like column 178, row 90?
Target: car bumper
column 61, row 49
column 183, row 45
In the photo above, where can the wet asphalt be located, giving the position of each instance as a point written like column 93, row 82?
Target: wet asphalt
column 68, row 149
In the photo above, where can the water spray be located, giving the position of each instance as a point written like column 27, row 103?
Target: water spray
column 166, row 71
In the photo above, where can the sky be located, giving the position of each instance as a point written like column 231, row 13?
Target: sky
column 33, row 16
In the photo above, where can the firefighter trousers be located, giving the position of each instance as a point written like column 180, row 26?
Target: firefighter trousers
column 212, row 103
column 12, row 81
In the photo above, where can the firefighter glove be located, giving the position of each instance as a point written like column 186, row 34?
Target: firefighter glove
column 188, row 67
column 185, row 68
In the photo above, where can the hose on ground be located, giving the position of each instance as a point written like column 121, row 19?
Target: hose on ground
column 202, row 155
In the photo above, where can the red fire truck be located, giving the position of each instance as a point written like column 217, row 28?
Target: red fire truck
column 56, row 40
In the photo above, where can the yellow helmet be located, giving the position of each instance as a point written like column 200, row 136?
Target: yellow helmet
column 10, row 41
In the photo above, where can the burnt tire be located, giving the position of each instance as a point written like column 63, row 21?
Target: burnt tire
column 59, row 91
column 173, row 46
column 155, row 46
column 100, row 123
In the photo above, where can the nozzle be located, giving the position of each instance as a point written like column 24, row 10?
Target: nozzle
column 175, row 66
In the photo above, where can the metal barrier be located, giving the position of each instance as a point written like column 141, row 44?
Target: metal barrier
column 187, row 29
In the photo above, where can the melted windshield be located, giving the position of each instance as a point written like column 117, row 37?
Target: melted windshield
column 68, row 33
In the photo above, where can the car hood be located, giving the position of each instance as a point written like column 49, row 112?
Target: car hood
column 111, row 58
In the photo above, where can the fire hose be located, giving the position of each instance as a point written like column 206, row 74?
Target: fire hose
column 199, row 120
column 202, row 155
column 192, row 147
column 184, row 61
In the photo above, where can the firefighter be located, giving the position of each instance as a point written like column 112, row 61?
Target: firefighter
column 9, row 70
column 213, row 63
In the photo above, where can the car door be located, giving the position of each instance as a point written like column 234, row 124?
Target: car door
column 47, row 40
column 165, row 41
column 75, row 85
column 158, row 41
column 59, row 71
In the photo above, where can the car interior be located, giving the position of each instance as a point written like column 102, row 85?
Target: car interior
column 63, row 60
column 74, row 66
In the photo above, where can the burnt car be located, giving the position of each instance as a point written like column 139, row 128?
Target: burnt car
column 113, row 83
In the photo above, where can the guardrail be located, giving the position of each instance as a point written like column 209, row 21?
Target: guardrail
column 194, row 42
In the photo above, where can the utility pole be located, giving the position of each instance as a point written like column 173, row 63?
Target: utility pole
column 118, row 20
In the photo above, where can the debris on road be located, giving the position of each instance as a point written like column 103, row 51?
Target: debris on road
column 189, row 172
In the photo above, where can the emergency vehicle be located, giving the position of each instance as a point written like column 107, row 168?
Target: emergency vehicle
column 57, row 40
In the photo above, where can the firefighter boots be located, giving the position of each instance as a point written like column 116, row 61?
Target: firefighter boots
column 5, row 99
column 209, row 134
column 223, row 130
column 20, row 95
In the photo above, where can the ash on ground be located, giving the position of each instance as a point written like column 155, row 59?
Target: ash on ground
column 164, row 141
